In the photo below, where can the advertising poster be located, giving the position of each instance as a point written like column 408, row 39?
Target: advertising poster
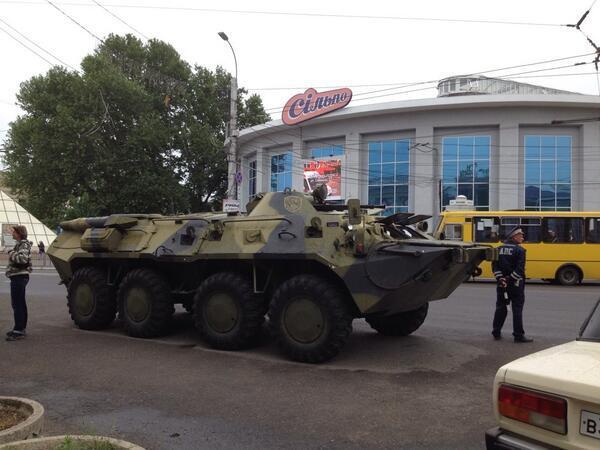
column 327, row 171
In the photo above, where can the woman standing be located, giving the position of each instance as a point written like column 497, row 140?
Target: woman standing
column 42, row 252
column 19, row 267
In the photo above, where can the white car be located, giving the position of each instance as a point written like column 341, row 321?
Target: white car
column 551, row 399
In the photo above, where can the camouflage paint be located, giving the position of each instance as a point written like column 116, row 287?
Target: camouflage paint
column 388, row 276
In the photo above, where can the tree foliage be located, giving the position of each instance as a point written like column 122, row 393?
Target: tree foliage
column 139, row 130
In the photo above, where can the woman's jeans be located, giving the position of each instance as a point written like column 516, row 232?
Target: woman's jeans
column 17, row 296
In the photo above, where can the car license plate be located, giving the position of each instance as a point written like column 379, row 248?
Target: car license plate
column 590, row 424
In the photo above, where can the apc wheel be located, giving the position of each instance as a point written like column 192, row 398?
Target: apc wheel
column 401, row 324
column 227, row 313
column 145, row 304
column 309, row 319
column 568, row 276
column 92, row 304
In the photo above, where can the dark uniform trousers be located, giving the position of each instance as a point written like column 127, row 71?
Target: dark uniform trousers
column 516, row 296
column 510, row 266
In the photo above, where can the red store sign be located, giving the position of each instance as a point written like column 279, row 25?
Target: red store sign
column 311, row 104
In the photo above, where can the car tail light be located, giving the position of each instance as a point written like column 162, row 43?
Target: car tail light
column 534, row 408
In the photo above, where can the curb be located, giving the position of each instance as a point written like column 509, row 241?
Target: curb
column 49, row 443
column 31, row 427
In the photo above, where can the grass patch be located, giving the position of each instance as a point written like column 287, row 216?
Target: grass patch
column 73, row 444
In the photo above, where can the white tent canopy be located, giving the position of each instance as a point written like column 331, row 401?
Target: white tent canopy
column 11, row 214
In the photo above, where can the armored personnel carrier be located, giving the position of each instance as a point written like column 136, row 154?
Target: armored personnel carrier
column 310, row 267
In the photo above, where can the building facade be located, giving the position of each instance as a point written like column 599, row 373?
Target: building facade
column 502, row 144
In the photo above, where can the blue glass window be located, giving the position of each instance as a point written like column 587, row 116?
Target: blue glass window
column 281, row 171
column 448, row 193
column 482, row 171
column 451, row 148
column 374, row 174
column 402, row 150
column 449, row 172
column 481, row 147
column 482, row 194
column 548, row 172
column 388, row 174
column 466, row 169
column 251, row 179
column 402, row 173
column 388, row 152
column 374, row 152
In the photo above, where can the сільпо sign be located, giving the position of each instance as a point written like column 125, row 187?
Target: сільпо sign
column 312, row 104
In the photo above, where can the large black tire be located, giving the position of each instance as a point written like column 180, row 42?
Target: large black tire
column 91, row 301
column 310, row 319
column 145, row 303
column 227, row 313
column 568, row 276
column 401, row 324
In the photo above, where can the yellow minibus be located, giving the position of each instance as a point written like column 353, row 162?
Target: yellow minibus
column 561, row 246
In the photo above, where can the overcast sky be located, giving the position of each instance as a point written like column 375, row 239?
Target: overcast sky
column 309, row 44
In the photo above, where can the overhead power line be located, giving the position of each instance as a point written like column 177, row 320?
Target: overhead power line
column 400, row 85
column 415, row 83
column 577, row 26
column 28, row 48
column 286, row 135
column 74, row 21
column 38, row 46
column 122, row 21
column 355, row 99
column 309, row 14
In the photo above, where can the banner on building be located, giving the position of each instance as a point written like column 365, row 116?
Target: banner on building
column 329, row 172
column 310, row 104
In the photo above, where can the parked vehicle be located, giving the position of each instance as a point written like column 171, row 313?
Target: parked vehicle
column 551, row 399
column 313, row 266
column 561, row 246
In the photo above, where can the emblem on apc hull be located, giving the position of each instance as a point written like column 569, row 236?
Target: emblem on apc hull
column 292, row 204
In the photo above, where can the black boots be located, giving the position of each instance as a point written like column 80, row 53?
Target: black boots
column 523, row 339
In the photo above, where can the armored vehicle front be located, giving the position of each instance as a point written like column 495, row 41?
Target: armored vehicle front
column 310, row 267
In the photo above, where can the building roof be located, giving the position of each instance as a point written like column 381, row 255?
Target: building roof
column 480, row 85
column 450, row 102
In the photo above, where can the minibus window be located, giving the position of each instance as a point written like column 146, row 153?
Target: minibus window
column 563, row 230
column 593, row 230
column 453, row 232
column 506, row 225
column 532, row 228
column 486, row 229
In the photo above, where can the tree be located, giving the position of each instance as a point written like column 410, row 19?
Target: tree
column 139, row 130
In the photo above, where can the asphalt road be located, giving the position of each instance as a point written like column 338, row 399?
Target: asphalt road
column 431, row 390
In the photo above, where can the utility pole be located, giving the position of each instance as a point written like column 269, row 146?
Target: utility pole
column 232, row 157
column 233, row 135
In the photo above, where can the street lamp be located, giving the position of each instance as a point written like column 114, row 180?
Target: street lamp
column 232, row 166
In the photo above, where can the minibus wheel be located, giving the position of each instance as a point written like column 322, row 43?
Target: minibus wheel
column 568, row 275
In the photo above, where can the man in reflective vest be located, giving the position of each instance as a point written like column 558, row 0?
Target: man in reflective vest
column 509, row 271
